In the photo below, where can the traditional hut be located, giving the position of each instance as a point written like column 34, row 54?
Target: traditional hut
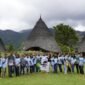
column 41, row 38
column 81, row 47
column 2, row 46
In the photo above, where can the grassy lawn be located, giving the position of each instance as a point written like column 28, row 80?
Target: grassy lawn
column 45, row 79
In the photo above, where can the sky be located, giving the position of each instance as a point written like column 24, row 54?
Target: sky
column 19, row 15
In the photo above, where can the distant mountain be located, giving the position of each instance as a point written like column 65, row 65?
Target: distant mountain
column 14, row 38
column 17, row 38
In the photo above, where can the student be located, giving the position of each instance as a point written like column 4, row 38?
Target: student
column 27, row 63
column 38, row 60
column 81, row 64
column 69, row 64
column 11, row 64
column 65, row 66
column 4, row 65
column 31, row 64
column 17, row 65
column 0, row 65
column 48, row 63
column 52, row 63
column 60, row 63
column 22, row 64
column 44, row 61
column 55, row 63
column 35, row 62
column 73, row 60
column 77, row 62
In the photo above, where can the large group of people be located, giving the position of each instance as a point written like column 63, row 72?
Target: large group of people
column 16, row 64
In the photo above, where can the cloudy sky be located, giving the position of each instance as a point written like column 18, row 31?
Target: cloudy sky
column 22, row 14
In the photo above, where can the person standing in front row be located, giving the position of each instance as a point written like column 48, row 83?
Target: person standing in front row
column 22, row 64
column 11, row 64
column 27, row 58
column 65, row 66
column 52, row 63
column 4, row 65
column 17, row 65
column 81, row 64
column 73, row 60
column 0, row 65
column 77, row 62
column 55, row 63
column 31, row 64
column 60, row 63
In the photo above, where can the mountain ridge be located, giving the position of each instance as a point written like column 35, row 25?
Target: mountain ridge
column 17, row 38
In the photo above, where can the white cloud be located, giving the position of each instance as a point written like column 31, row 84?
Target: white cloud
column 22, row 14
column 80, row 27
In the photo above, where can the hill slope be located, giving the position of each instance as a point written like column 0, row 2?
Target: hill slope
column 16, row 38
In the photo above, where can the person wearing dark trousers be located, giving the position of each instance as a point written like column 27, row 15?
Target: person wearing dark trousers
column 22, row 65
column 27, row 64
column 0, row 71
column 17, row 65
column 73, row 60
column 81, row 68
column 10, row 70
column 35, row 62
column 55, row 64
column 11, row 63
column 77, row 67
column 60, row 64
column 31, row 64
column 0, row 65
column 31, row 69
column 27, row 67
column 81, row 65
column 77, row 62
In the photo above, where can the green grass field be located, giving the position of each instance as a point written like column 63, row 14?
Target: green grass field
column 45, row 79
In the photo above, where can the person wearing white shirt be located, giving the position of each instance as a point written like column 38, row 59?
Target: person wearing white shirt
column 35, row 62
column 11, row 62
column 55, row 63
column 44, row 62
column 65, row 66
column 73, row 60
column 0, row 65
column 52, row 63
column 69, row 64
column 77, row 62
column 22, row 64
column 81, row 64
column 27, row 58
column 4, row 65
column 31, row 64
column 17, row 65
column 43, row 59
column 60, row 63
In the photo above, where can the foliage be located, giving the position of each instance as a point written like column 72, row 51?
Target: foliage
column 10, row 48
column 65, row 35
column 66, row 49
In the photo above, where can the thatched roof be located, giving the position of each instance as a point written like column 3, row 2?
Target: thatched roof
column 41, row 37
column 81, row 46
column 2, row 46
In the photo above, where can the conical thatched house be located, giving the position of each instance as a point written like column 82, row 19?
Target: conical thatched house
column 2, row 46
column 41, row 39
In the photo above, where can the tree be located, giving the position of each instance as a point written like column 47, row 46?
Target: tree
column 10, row 48
column 65, row 35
